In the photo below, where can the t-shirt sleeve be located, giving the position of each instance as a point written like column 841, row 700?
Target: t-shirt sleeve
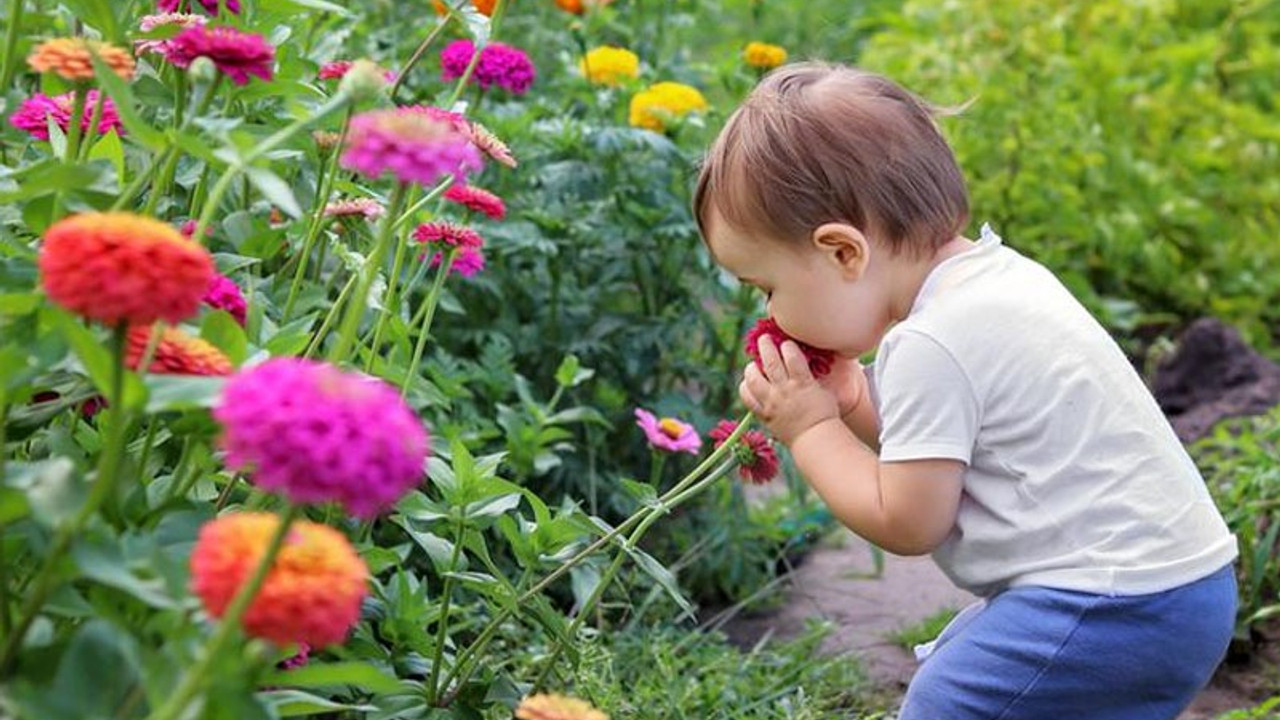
column 927, row 406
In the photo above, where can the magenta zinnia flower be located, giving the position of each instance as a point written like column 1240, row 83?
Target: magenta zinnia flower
column 477, row 199
column 757, row 460
column 412, row 143
column 34, row 113
column 316, row 433
column 819, row 360
column 443, row 232
column 668, row 434
column 210, row 6
column 151, row 22
column 236, row 54
column 502, row 65
column 466, row 263
column 224, row 294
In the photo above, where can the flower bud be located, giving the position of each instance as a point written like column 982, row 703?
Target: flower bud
column 202, row 70
column 364, row 81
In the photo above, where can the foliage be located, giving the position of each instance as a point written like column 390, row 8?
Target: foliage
column 1129, row 146
column 908, row 636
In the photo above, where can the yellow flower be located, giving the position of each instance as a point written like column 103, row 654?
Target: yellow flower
column 763, row 55
column 608, row 65
column 654, row 107
column 557, row 707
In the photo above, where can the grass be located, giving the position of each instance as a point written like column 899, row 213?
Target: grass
column 908, row 636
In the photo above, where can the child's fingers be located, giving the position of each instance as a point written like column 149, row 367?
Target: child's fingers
column 753, row 387
column 770, row 360
column 796, row 363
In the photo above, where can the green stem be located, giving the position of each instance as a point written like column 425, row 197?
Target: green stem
column 147, row 442
column 687, row 487
column 5, row 621
column 11, row 42
column 442, row 625
column 94, row 119
column 417, row 54
column 74, row 130
column 330, row 317
column 433, row 299
column 271, row 143
column 495, row 20
column 141, row 179
column 103, row 488
column 317, row 219
column 372, row 265
column 195, row 678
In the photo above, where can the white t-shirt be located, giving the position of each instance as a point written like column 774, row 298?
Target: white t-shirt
column 1075, row 479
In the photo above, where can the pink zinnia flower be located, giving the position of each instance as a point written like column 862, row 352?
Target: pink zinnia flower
column 188, row 228
column 367, row 208
column 34, row 113
column 210, row 6
column 151, row 22
column 338, row 68
column 501, row 65
column 298, row 659
column 466, row 263
column 668, row 434
column 489, row 144
column 443, row 232
column 316, row 433
column 819, row 360
column 477, row 199
column 224, row 294
column 410, row 143
column 236, row 54
column 757, row 460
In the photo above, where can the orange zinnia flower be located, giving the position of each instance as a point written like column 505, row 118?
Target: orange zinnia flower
column 577, row 7
column 557, row 707
column 176, row 354
column 117, row 266
column 485, row 7
column 312, row 593
column 71, row 58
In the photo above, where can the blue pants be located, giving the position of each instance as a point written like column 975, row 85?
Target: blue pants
column 1036, row 653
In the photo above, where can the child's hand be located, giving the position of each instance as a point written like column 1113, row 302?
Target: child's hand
column 785, row 396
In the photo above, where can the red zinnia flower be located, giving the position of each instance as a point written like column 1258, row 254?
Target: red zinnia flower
column 236, row 54
column 118, row 266
column 477, row 199
column 446, row 233
column 177, row 353
column 757, row 460
column 819, row 360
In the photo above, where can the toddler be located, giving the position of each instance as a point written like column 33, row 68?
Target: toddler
column 1000, row 429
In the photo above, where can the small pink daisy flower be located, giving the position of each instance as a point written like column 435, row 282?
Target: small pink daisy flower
column 368, row 208
column 819, row 360
column 210, row 6
column 224, row 294
column 34, row 113
column 411, row 144
column 477, row 199
column 668, row 434
column 236, row 54
column 757, row 460
column 151, row 22
column 502, row 65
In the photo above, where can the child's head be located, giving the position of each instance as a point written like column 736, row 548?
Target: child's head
column 816, row 143
column 819, row 156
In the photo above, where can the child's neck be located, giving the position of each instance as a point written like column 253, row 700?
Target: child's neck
column 909, row 274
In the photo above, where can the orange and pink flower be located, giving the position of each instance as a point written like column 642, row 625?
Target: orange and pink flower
column 177, row 353
column 71, row 58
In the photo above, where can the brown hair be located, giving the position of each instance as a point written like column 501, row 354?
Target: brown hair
column 816, row 143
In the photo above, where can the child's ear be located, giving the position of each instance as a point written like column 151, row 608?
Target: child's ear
column 844, row 245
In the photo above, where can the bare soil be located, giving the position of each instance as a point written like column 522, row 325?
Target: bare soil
column 837, row 583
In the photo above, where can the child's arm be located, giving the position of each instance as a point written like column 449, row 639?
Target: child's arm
column 907, row 508
column 848, row 381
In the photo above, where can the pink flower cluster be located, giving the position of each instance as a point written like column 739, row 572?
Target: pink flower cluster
column 236, row 54
column 468, row 260
column 210, row 6
column 34, row 113
column 316, row 433
column 502, row 65
column 415, row 144
column 224, row 294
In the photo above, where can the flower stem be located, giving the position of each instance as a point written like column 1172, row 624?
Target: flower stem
column 4, row 564
column 442, row 624
column 227, row 625
column 417, row 54
column 687, row 487
column 94, row 121
column 433, row 299
column 103, row 488
column 338, row 101
column 330, row 317
column 317, row 220
column 372, row 265
column 494, row 21
column 11, row 42
column 74, row 130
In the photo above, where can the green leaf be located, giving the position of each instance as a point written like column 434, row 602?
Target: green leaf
column 295, row 703
column 570, row 373
column 108, row 147
column 49, row 177
column 168, row 393
column 127, row 107
column 275, row 189
column 222, row 330
column 318, row 675
column 100, row 651
column 662, row 576
column 106, row 564
column 641, row 492
column 98, row 14
column 53, row 488
column 97, row 359
column 492, row 506
column 302, row 6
